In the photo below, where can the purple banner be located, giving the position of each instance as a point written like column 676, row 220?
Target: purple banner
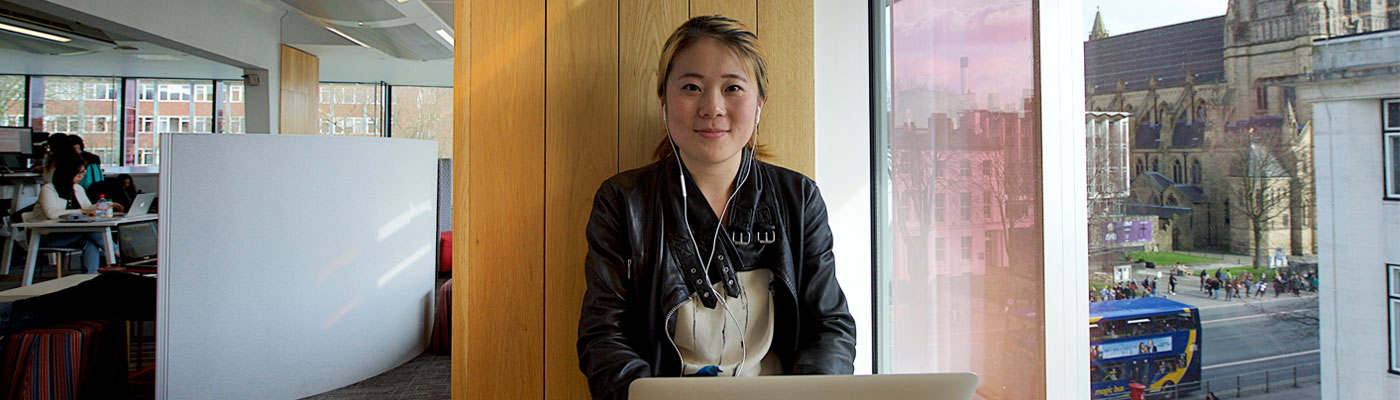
column 1125, row 232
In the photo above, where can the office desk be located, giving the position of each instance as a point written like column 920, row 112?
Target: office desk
column 14, row 186
column 37, row 229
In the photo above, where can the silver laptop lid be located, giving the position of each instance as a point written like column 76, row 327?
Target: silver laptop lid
column 943, row 386
column 141, row 205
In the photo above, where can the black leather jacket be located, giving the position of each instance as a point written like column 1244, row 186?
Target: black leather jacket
column 642, row 266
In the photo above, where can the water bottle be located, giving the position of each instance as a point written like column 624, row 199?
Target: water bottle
column 104, row 209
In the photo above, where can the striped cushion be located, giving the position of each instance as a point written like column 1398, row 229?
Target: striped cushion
column 57, row 362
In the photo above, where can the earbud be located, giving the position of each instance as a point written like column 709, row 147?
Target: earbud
column 757, row 116
column 663, row 113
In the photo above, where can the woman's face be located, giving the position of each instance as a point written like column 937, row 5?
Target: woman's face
column 79, row 177
column 711, row 104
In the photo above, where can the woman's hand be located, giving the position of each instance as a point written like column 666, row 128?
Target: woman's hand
column 117, row 207
column 89, row 212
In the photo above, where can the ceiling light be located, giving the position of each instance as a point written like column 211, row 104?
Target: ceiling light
column 403, row 1
column 347, row 37
column 447, row 36
column 34, row 33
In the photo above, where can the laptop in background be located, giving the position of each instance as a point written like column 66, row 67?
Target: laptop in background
column 944, row 386
column 136, row 243
column 141, row 205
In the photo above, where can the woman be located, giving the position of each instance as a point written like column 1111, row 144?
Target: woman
column 671, row 290
column 93, row 172
column 57, row 200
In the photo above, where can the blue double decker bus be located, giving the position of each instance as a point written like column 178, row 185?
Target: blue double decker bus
column 1151, row 341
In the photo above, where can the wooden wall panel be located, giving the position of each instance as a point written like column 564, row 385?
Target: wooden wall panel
column 461, row 201
column 744, row 11
column 299, row 88
column 581, row 134
column 789, row 117
column 505, row 288
column 639, row 47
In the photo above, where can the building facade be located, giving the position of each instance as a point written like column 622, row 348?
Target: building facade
column 1203, row 108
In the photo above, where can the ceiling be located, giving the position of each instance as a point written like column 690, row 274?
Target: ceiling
column 406, row 29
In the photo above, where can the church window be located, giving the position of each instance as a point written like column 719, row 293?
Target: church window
column 1261, row 98
column 1196, row 172
column 1141, row 165
column 1176, row 171
column 1156, row 167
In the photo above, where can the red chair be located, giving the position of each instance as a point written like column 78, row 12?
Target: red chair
column 445, row 252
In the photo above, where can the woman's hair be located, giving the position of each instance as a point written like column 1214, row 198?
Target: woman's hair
column 732, row 34
column 78, row 140
column 63, row 172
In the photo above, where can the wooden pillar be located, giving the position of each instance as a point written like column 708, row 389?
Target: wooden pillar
column 299, row 87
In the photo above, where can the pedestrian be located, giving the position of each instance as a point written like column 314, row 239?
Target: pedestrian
column 1203, row 281
column 1153, row 286
column 1171, row 285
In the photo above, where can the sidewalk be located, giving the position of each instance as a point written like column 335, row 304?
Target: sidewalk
column 1188, row 290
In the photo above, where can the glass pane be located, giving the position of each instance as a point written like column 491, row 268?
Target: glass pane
column 231, row 118
column 86, row 107
column 1394, row 155
column 960, row 94
column 351, row 109
column 178, row 106
column 424, row 113
column 12, row 100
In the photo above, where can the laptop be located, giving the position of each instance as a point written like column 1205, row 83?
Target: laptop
column 943, row 386
column 141, row 205
column 136, row 243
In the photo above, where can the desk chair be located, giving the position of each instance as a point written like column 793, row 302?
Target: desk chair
column 61, row 256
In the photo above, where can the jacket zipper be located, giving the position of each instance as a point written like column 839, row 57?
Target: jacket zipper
column 666, row 329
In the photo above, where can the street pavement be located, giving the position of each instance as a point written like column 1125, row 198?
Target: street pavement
column 1250, row 341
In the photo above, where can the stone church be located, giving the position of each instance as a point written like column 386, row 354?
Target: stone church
column 1216, row 146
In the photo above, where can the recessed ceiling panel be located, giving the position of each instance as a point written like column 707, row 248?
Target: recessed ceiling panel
column 347, row 10
column 443, row 9
column 406, row 42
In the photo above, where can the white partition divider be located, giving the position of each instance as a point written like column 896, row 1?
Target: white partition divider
column 291, row 265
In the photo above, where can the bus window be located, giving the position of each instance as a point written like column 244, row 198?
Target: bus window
column 1108, row 372
column 1138, row 372
column 1112, row 329
column 1162, row 323
column 1137, row 327
column 1095, row 333
column 1166, row 365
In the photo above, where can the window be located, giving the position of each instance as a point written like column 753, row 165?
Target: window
column 146, row 92
column 1393, row 290
column 68, row 108
column 203, row 93
column 181, row 106
column 353, row 109
column 12, row 100
column 422, row 113
column 987, row 204
column 1390, row 125
column 967, row 247
column 174, row 92
column 229, row 111
column 938, row 207
column 145, row 124
column 940, row 249
column 935, row 314
column 965, row 206
column 101, row 91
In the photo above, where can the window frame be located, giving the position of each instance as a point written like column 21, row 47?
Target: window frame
column 1392, row 278
column 1390, row 140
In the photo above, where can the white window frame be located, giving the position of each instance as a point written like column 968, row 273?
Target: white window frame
column 1390, row 136
column 235, row 93
column 1392, row 272
column 173, row 92
column 146, row 92
column 202, row 125
column 203, row 93
column 145, row 124
column 100, row 91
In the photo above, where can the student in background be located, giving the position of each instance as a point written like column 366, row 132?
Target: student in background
column 57, row 200
column 121, row 190
column 93, row 171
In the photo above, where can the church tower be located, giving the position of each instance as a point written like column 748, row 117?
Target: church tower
column 1099, row 32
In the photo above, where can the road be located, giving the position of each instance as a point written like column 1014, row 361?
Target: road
column 1246, row 340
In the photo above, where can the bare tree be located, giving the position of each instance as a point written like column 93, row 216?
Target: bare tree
column 11, row 95
column 1262, row 189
